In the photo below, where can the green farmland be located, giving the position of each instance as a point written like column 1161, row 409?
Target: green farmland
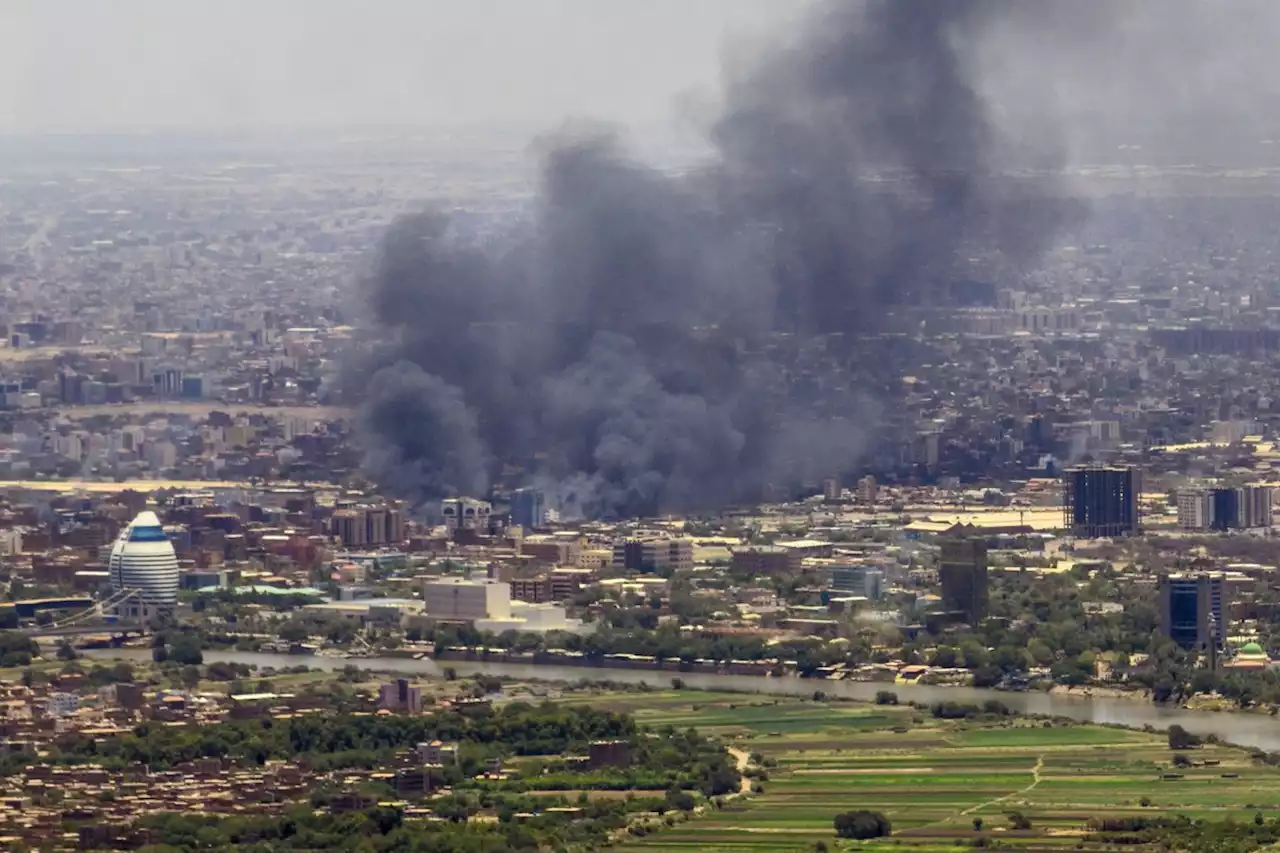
column 933, row 778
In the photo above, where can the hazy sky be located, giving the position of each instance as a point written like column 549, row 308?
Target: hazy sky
column 94, row 64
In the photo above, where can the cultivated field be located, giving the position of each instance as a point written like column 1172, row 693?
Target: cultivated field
column 932, row 778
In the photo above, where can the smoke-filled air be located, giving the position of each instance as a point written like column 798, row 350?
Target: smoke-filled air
column 630, row 350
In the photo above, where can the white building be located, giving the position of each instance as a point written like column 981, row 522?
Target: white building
column 467, row 599
column 143, row 559
column 533, row 619
column 1195, row 510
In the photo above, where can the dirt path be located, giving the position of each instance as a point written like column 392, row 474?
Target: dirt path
column 1035, row 780
column 743, row 759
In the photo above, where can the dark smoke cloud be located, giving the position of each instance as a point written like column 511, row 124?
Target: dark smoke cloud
column 637, row 347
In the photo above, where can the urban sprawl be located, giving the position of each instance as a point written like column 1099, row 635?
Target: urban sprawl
column 1070, row 490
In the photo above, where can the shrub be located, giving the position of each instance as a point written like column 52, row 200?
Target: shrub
column 862, row 824
column 886, row 697
column 1180, row 738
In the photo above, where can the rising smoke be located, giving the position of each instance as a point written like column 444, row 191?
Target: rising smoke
column 637, row 349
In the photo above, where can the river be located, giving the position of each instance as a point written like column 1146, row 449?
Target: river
column 1255, row 730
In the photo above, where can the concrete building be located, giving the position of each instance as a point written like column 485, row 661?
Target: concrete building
column 400, row 695
column 367, row 526
column 1101, row 502
column 465, row 514
column 865, row 581
column 467, row 599
column 962, row 570
column 868, row 490
column 1195, row 510
column 1225, row 508
column 62, row 704
column 652, row 555
column 1253, row 503
column 533, row 590
column 832, row 490
column 526, row 617
column 1191, row 610
column 760, row 560
column 438, row 752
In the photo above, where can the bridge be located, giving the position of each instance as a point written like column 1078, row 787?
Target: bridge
column 112, row 629
column 88, row 621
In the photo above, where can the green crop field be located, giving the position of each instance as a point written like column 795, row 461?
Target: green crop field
column 932, row 778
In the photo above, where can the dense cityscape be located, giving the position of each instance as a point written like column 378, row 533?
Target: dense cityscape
column 818, row 486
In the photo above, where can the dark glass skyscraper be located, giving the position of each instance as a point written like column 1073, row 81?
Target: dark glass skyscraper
column 528, row 508
column 1191, row 610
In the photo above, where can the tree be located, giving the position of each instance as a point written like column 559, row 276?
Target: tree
column 294, row 632
column 1180, row 738
column 66, row 651
column 977, row 824
column 190, row 676
column 185, row 649
column 886, row 697
column 862, row 824
column 1040, row 652
column 1019, row 821
column 680, row 799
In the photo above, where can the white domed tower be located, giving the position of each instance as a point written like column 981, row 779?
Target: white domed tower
column 143, row 559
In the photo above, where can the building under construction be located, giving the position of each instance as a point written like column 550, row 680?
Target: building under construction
column 1100, row 502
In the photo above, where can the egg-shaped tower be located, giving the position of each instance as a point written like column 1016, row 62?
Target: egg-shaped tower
column 143, row 559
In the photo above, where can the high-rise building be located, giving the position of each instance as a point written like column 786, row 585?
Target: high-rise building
column 1224, row 508
column 832, row 489
column 1253, row 506
column 962, row 569
column 349, row 525
column 867, row 490
column 1100, row 502
column 1191, row 610
column 528, row 508
column 465, row 514
column 143, row 559
column 1195, row 510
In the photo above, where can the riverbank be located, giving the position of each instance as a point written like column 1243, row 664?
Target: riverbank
column 1090, row 691
column 1251, row 730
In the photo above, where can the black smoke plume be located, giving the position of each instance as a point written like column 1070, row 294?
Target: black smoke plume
column 656, row 343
